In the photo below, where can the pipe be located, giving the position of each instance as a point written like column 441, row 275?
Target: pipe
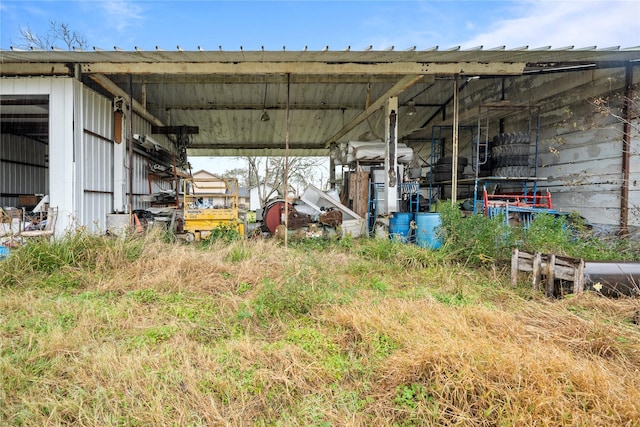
column 613, row 278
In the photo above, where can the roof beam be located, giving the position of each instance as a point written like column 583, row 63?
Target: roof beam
column 115, row 90
column 306, row 68
column 175, row 130
column 25, row 128
column 258, row 145
column 256, row 106
column 400, row 86
column 258, row 79
column 35, row 69
column 25, row 101
column 261, row 151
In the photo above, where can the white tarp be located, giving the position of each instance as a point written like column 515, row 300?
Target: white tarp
column 352, row 223
column 364, row 151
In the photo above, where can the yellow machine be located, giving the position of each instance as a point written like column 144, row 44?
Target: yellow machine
column 209, row 204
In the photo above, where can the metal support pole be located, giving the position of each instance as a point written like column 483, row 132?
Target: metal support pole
column 626, row 150
column 332, row 173
column 454, row 162
column 391, row 157
column 130, row 149
column 286, row 166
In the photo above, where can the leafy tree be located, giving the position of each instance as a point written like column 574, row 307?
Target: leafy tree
column 58, row 33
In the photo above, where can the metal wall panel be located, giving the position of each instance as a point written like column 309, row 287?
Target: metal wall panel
column 23, row 168
column 58, row 181
column 580, row 149
column 141, row 177
column 98, row 162
column 97, row 158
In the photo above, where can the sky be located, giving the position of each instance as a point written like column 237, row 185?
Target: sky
column 337, row 24
column 294, row 25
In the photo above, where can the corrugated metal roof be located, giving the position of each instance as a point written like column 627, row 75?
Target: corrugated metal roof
column 226, row 106
column 523, row 54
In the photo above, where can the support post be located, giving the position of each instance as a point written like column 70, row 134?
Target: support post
column 130, row 154
column 578, row 278
column 332, row 173
column 391, row 156
column 537, row 270
column 550, row 273
column 454, row 163
column 514, row 267
column 120, row 135
column 626, row 150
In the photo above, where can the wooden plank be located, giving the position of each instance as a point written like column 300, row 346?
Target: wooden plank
column 578, row 282
column 359, row 192
column 307, row 68
column 550, row 267
column 537, row 270
column 514, row 267
column 524, row 255
column 564, row 273
column 550, row 279
column 525, row 265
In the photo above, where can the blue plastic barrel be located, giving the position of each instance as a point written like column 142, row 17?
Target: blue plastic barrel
column 4, row 252
column 427, row 225
column 400, row 226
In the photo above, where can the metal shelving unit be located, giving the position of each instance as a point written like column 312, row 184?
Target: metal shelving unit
column 481, row 152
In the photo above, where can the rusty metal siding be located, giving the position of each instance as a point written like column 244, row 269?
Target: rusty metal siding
column 634, row 176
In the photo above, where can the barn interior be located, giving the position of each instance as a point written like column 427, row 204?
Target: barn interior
column 448, row 109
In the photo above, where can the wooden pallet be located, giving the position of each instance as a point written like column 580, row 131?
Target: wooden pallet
column 548, row 268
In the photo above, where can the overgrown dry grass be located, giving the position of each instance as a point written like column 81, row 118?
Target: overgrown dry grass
column 356, row 333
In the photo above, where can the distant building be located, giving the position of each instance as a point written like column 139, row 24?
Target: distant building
column 213, row 185
column 259, row 194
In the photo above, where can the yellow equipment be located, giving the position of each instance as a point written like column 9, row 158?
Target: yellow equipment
column 210, row 203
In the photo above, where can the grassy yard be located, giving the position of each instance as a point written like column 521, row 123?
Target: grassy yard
column 140, row 332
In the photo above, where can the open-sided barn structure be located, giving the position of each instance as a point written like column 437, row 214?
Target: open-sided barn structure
column 98, row 131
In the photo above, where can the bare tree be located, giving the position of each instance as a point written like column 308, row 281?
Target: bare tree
column 615, row 107
column 58, row 33
column 238, row 173
column 269, row 173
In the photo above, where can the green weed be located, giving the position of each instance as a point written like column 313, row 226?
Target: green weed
column 571, row 236
column 476, row 239
column 290, row 298
column 238, row 253
column 409, row 395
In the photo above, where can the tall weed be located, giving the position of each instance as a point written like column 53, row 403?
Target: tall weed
column 476, row 239
column 39, row 259
column 571, row 236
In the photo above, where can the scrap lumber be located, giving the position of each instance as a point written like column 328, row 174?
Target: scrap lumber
column 547, row 268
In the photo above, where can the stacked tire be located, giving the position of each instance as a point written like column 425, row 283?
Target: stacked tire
column 510, row 154
column 442, row 169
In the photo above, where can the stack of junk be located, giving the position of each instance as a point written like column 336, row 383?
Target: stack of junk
column 315, row 214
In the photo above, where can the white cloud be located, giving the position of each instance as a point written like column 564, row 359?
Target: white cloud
column 565, row 23
column 124, row 13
